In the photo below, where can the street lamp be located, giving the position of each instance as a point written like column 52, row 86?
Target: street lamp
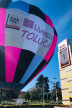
column 43, row 94
column 56, row 89
column 51, row 90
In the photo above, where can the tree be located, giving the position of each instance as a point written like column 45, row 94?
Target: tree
column 8, row 95
column 11, row 95
column 56, row 85
column 43, row 82
column 36, row 93
column 33, row 94
column 27, row 96
column 20, row 96
column 58, row 88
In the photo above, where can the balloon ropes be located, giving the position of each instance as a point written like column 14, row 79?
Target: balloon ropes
column 27, row 43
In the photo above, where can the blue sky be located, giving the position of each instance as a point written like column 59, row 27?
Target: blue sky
column 60, row 12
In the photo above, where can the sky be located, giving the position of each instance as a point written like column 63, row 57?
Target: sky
column 60, row 12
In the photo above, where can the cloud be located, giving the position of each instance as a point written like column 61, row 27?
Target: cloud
column 63, row 21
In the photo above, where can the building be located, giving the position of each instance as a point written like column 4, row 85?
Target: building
column 22, row 93
column 65, row 66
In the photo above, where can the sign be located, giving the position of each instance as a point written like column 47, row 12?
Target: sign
column 13, row 22
column 64, row 54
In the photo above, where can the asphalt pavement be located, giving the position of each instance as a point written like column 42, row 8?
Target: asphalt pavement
column 26, row 107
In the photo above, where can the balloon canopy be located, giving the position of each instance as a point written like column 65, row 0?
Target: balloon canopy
column 27, row 43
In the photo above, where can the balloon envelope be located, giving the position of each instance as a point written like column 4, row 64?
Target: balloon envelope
column 27, row 43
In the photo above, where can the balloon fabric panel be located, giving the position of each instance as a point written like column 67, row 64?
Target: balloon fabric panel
column 20, row 5
column 48, row 21
column 11, row 60
column 23, row 63
column 38, row 69
column 2, row 64
column 32, row 67
column 36, row 11
column 2, row 26
column 37, row 73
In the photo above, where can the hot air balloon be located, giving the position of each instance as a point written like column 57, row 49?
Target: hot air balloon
column 27, row 43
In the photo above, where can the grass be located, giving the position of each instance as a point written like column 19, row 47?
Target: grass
column 33, row 103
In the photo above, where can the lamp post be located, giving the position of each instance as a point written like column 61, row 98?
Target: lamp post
column 55, row 88
column 51, row 91
column 47, row 95
column 43, row 94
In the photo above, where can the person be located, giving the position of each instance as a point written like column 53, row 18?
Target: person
column 57, row 100
column 70, row 101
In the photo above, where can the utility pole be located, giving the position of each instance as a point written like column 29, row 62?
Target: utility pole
column 47, row 95
column 43, row 95
column 51, row 91
column 56, row 88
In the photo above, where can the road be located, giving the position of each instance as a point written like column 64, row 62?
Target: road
column 26, row 107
